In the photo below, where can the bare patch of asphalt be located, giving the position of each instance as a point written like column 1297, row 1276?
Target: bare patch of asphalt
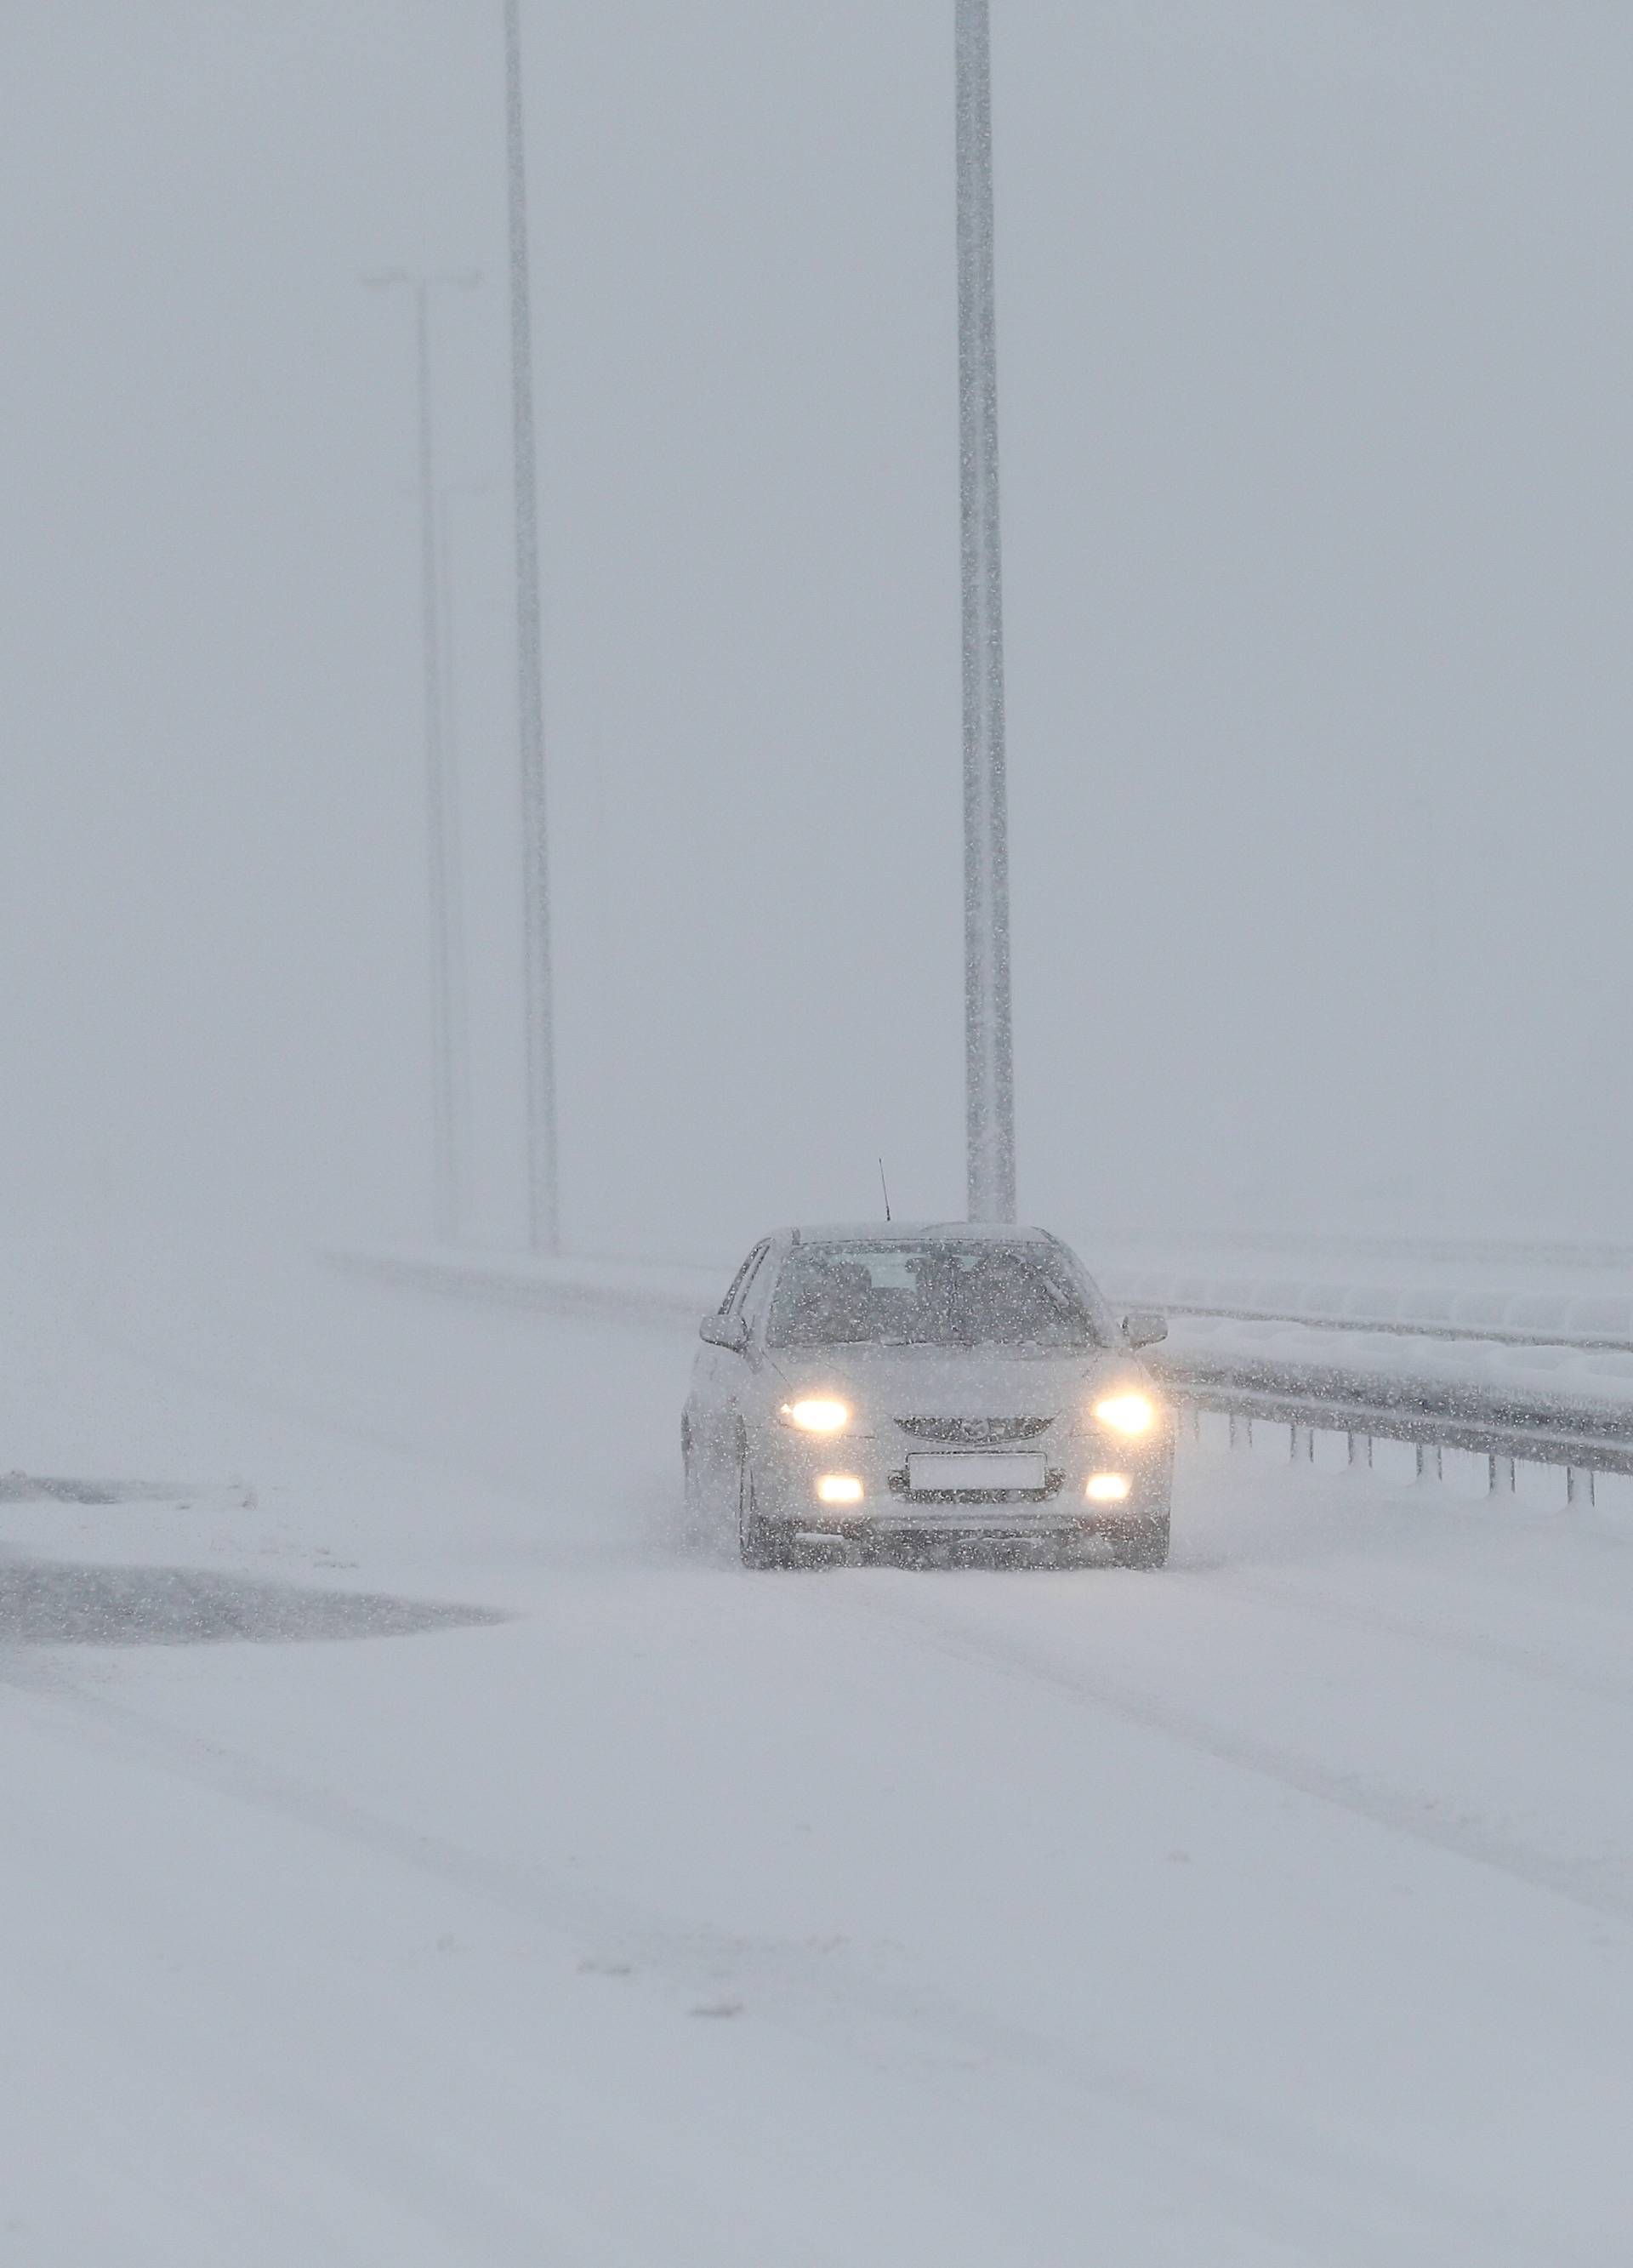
column 39, row 1488
column 51, row 1602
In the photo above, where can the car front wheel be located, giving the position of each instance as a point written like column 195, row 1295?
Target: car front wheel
column 698, row 1510
column 761, row 1543
column 1142, row 1544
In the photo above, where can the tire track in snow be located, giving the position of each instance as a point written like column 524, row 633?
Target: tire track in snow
column 1393, row 1809
column 1291, row 2181
column 1289, row 1599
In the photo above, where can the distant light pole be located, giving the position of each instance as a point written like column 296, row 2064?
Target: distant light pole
column 454, row 896
column 988, row 1061
column 442, row 861
column 543, row 1192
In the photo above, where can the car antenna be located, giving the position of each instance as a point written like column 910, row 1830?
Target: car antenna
column 885, row 1185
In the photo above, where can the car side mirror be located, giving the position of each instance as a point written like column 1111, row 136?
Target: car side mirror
column 728, row 1332
column 1144, row 1327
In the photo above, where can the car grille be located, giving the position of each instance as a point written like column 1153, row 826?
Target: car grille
column 974, row 1432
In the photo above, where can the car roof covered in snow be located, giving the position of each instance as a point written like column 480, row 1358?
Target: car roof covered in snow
column 913, row 1232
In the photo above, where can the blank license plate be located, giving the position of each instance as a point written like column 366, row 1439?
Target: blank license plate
column 963, row 1469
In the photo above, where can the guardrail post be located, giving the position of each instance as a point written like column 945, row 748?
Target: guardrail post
column 1579, row 1484
column 1429, row 1460
column 1502, row 1477
column 1241, row 1430
column 1360, row 1452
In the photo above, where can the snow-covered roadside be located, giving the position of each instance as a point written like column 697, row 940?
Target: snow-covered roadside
column 1279, row 1909
column 1571, row 1378
column 1560, row 1377
column 568, row 1282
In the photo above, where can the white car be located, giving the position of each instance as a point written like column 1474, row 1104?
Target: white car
column 901, row 1385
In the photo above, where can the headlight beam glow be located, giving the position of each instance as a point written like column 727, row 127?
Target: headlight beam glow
column 1127, row 1413
column 816, row 1413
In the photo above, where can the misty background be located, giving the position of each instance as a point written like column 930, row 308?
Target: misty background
column 1315, row 349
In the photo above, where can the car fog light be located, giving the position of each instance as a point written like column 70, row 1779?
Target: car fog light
column 1107, row 1488
column 840, row 1488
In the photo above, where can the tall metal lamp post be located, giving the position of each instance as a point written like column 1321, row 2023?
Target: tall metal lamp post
column 543, row 1196
column 440, row 829
column 990, row 1093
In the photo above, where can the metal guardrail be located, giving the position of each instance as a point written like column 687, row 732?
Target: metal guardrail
column 1367, row 1406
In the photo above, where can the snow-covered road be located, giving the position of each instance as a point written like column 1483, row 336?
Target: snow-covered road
column 494, row 1880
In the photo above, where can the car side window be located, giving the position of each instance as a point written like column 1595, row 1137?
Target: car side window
column 757, row 1294
column 754, row 1272
column 728, row 1306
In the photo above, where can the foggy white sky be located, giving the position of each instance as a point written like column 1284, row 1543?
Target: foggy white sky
column 1315, row 359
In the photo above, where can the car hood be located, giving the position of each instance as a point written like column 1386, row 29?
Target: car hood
column 883, row 1382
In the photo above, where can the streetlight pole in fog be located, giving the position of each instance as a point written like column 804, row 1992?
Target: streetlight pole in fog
column 443, row 861
column 989, row 1062
column 459, row 1051
column 543, row 1198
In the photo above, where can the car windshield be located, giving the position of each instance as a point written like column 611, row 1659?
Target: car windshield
column 940, row 1294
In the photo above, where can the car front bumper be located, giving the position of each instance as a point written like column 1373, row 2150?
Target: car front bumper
column 789, row 1466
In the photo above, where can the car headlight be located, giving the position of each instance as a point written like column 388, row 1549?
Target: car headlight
column 1127, row 1413
column 816, row 1413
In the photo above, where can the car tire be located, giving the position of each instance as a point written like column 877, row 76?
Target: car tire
column 1142, row 1544
column 697, row 1522
column 761, row 1544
